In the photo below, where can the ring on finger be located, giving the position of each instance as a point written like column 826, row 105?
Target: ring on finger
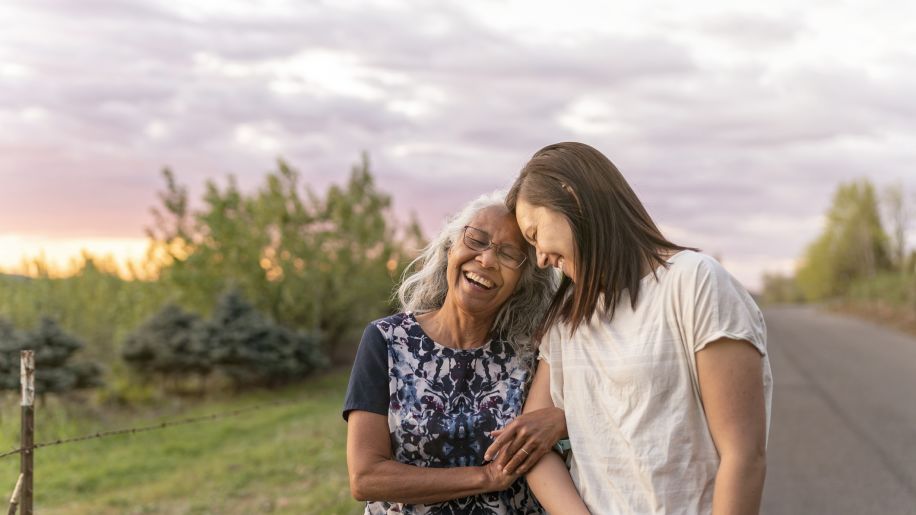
column 524, row 451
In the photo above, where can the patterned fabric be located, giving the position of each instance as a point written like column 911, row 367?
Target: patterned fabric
column 443, row 404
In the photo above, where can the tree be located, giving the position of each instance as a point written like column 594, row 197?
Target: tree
column 325, row 264
column 897, row 212
column 852, row 246
column 358, row 254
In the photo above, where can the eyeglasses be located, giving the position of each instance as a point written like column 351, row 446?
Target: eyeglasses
column 479, row 241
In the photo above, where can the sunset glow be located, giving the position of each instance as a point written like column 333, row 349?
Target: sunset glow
column 64, row 255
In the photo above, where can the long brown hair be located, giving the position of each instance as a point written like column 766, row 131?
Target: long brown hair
column 615, row 238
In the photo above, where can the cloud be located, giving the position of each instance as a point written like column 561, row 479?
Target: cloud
column 730, row 122
column 756, row 31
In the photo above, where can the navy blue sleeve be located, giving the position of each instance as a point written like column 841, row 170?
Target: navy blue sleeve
column 368, row 388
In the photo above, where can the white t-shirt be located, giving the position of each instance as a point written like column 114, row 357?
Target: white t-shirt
column 636, row 424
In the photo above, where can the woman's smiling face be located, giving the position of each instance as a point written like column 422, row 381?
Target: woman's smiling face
column 551, row 235
column 478, row 281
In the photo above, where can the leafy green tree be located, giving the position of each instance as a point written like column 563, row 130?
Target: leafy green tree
column 325, row 264
column 358, row 253
column 852, row 246
column 898, row 213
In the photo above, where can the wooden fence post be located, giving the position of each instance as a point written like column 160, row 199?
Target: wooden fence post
column 14, row 499
column 27, row 438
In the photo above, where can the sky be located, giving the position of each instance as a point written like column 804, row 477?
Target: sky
column 733, row 123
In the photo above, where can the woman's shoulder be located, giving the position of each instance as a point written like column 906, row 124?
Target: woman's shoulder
column 691, row 262
column 701, row 274
column 396, row 319
column 402, row 324
column 690, row 258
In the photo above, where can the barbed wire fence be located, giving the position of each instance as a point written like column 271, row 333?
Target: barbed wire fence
column 22, row 497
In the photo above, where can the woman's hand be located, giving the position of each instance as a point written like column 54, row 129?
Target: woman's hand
column 522, row 443
column 497, row 477
column 375, row 475
column 536, row 431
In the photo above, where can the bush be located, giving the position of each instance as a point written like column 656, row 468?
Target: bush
column 168, row 345
column 888, row 287
column 53, row 352
column 252, row 350
column 237, row 342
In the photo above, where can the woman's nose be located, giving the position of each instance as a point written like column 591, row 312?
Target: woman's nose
column 542, row 259
column 487, row 258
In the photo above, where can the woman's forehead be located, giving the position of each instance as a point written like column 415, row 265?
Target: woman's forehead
column 497, row 221
column 525, row 214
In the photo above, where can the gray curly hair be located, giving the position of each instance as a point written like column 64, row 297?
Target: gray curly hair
column 424, row 283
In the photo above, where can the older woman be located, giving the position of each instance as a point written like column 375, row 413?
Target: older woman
column 430, row 384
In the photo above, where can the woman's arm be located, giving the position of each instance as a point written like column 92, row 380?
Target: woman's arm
column 554, row 489
column 540, row 426
column 548, row 477
column 375, row 476
column 731, row 388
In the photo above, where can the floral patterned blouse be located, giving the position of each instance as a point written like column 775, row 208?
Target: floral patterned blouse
column 441, row 405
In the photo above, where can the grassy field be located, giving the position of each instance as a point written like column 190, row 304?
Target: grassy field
column 282, row 459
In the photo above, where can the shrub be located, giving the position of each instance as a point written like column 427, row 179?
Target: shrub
column 54, row 350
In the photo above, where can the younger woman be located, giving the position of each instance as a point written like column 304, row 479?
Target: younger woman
column 656, row 353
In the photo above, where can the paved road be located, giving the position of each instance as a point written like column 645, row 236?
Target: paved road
column 843, row 433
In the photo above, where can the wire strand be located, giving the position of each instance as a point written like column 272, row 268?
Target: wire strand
column 142, row 429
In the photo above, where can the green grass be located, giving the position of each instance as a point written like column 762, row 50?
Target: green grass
column 282, row 459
